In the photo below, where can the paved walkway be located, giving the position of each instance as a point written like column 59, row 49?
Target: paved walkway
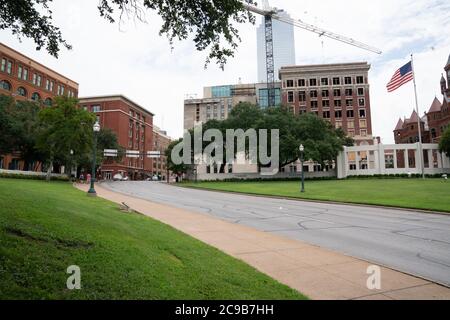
column 316, row 272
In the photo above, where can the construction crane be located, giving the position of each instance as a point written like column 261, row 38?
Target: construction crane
column 272, row 13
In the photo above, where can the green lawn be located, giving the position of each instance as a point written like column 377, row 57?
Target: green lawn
column 430, row 194
column 46, row 227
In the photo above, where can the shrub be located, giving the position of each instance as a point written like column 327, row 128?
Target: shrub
column 32, row 177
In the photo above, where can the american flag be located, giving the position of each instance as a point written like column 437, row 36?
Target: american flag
column 401, row 76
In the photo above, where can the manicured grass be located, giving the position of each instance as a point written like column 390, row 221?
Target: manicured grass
column 430, row 194
column 46, row 227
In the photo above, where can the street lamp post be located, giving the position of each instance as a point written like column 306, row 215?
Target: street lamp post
column 96, row 129
column 302, row 159
column 71, row 164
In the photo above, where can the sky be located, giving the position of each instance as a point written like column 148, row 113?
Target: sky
column 134, row 60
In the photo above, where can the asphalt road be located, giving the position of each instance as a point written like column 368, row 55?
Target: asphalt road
column 413, row 242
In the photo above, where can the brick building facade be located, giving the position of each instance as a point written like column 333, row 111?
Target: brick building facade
column 133, row 126
column 435, row 121
column 339, row 93
column 26, row 79
column 161, row 142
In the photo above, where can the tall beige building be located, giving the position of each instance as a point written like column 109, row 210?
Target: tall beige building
column 218, row 101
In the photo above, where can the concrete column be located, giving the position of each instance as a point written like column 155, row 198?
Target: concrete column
column 407, row 158
column 395, row 159
column 382, row 159
column 430, row 159
column 440, row 159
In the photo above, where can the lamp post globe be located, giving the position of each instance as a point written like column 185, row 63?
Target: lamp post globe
column 96, row 129
column 302, row 159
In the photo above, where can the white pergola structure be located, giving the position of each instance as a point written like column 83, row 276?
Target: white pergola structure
column 380, row 159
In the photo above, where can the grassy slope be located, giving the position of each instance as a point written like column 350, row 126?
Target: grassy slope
column 45, row 227
column 431, row 194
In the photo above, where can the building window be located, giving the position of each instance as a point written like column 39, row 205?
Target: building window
column 325, row 93
column 349, row 102
column 21, row 91
column 313, row 93
column 302, row 96
column 96, row 108
column 302, row 83
column 351, row 124
column 324, row 81
column 3, row 64
column 34, row 78
column 25, row 74
column 313, row 82
column 5, row 85
column 362, row 113
column 348, row 92
column 337, row 92
column 348, row 80
column 39, row 81
column 361, row 102
column 35, row 96
column 338, row 124
column 364, row 133
column 291, row 96
column 362, row 123
column 48, row 102
column 337, row 103
column 360, row 80
column 351, row 133
column 326, row 103
column 9, row 67
column 326, row 114
column 314, row 104
column 350, row 114
column 360, row 91
column 336, row 81
column 19, row 72
column 338, row 114
column 290, row 83
column 47, row 85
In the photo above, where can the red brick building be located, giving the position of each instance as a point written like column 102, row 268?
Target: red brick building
column 133, row 125
column 339, row 93
column 26, row 79
column 161, row 143
column 435, row 121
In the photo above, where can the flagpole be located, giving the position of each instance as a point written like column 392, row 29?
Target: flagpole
column 419, row 122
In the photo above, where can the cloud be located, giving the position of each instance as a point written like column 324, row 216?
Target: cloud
column 135, row 61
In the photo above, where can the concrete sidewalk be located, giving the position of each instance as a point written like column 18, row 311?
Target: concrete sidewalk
column 316, row 272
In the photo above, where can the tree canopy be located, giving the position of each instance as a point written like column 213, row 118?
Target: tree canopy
column 321, row 140
column 64, row 127
column 444, row 144
column 210, row 23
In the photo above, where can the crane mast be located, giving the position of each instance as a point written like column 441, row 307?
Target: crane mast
column 270, row 14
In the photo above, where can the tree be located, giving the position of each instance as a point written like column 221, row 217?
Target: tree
column 7, row 134
column 64, row 127
column 32, row 19
column 444, row 144
column 106, row 139
column 19, row 127
column 208, row 22
column 178, row 169
column 321, row 140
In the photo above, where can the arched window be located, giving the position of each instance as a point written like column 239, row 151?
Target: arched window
column 35, row 96
column 48, row 102
column 5, row 85
column 21, row 91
